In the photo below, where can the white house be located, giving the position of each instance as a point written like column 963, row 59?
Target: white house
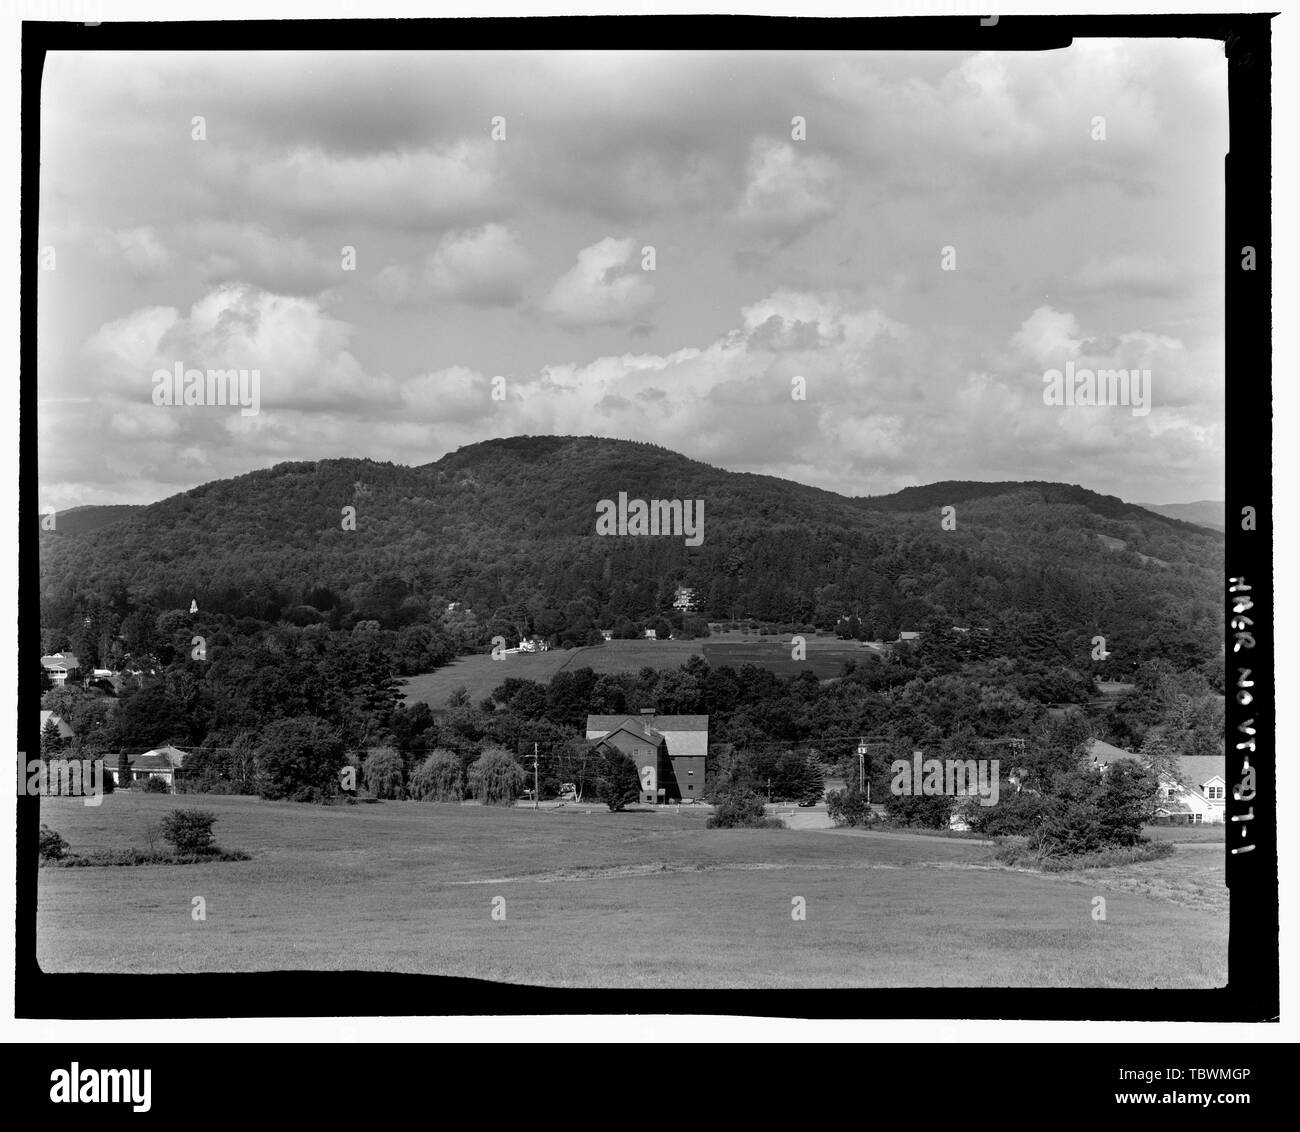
column 1201, row 796
column 1198, row 799
column 60, row 666
column 162, row 762
column 684, row 599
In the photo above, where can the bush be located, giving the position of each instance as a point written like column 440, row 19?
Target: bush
column 439, row 778
column 495, row 778
column 741, row 808
column 1014, row 815
column 153, row 785
column 849, row 807
column 1040, row 852
column 98, row 858
column 189, row 831
column 52, row 845
column 927, row 811
column 384, row 773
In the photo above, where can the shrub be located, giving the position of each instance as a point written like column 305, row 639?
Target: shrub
column 97, row 858
column 495, row 778
column 189, row 831
column 52, row 845
column 1041, row 852
column 439, row 778
column 153, row 785
column 384, row 773
column 741, row 808
column 1014, row 815
column 849, row 807
column 927, row 811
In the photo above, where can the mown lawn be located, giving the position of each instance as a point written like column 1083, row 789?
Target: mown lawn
column 598, row 900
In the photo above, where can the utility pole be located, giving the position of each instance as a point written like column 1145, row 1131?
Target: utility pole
column 536, row 785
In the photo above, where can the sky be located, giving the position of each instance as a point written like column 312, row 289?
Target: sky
column 850, row 270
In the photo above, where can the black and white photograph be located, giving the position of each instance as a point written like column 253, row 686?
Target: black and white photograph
column 630, row 520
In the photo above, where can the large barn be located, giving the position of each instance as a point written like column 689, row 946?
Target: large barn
column 669, row 751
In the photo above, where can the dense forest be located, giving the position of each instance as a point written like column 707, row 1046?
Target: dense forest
column 499, row 538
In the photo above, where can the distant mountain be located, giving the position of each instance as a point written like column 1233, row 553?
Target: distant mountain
column 1210, row 513
column 509, row 524
column 79, row 520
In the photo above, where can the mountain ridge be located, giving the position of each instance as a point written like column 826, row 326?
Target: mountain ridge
column 507, row 528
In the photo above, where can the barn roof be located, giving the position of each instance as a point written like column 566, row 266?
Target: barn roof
column 685, row 735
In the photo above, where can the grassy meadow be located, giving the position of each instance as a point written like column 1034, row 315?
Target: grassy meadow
column 480, row 674
column 594, row 899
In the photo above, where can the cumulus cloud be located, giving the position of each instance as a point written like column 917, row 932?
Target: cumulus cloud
column 787, row 189
column 298, row 348
column 606, row 287
column 483, row 266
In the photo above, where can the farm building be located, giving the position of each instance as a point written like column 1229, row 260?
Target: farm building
column 669, row 751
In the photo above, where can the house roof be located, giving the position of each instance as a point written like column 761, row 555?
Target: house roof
column 168, row 755
column 59, row 722
column 658, row 722
column 1106, row 753
column 152, row 762
column 61, row 660
column 1197, row 770
column 1173, row 806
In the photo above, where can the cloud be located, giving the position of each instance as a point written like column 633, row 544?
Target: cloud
column 483, row 266
column 787, row 189
column 230, row 252
column 1130, row 273
column 595, row 292
column 300, row 350
column 140, row 249
column 407, row 188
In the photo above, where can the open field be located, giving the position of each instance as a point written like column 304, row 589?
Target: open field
column 480, row 674
column 640, row 899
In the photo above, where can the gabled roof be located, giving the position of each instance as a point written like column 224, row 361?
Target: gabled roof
column 1105, row 753
column 686, row 735
column 166, row 756
column 64, row 730
column 629, row 723
column 1197, row 770
column 61, row 660
column 658, row 722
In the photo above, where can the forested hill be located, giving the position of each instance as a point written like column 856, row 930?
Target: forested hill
column 510, row 524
